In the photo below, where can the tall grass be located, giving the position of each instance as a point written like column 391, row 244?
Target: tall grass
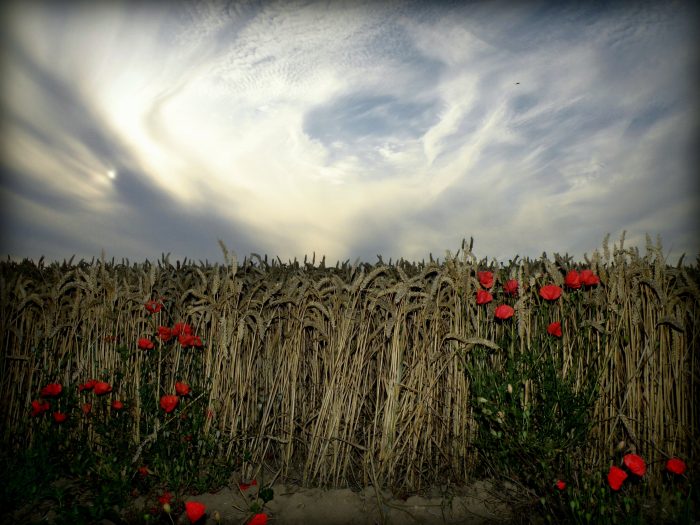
column 359, row 373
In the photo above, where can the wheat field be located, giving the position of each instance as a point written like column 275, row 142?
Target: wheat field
column 355, row 374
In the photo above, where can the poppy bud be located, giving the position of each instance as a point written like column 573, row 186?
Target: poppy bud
column 500, row 416
column 509, row 389
column 166, row 508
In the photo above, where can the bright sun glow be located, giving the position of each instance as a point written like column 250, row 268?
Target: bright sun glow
column 112, row 174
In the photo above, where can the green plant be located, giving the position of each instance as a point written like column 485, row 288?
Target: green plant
column 533, row 403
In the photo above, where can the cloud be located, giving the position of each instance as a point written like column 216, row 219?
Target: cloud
column 349, row 130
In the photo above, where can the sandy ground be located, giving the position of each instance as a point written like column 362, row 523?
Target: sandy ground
column 479, row 503
column 475, row 504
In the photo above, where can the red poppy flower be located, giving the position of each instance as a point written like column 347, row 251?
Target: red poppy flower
column 51, row 390
column 588, row 278
column 59, row 417
column 246, row 486
column 573, row 280
column 87, row 386
column 143, row 471
column 101, row 388
column 164, row 334
column 483, row 297
column 117, row 405
column 504, row 311
column 676, row 466
column 485, row 278
column 616, row 476
column 194, row 510
column 86, row 408
column 182, row 389
column 153, row 306
column 164, row 498
column 189, row 340
column 168, row 403
column 510, row 287
column 554, row 329
column 550, row 292
column 145, row 344
column 39, row 406
column 560, row 484
column 635, row 464
column 258, row 519
column 181, row 328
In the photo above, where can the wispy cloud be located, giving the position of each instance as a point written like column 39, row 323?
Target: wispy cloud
column 394, row 129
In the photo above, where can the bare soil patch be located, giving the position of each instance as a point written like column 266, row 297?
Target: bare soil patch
column 479, row 503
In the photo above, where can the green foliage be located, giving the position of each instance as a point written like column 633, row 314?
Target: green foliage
column 33, row 471
column 531, row 440
column 587, row 499
column 88, row 465
column 266, row 494
column 82, row 484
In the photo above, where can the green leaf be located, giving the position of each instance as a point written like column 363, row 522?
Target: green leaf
column 267, row 494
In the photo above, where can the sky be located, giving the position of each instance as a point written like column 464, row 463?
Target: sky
column 345, row 129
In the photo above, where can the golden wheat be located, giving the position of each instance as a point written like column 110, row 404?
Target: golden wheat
column 355, row 374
